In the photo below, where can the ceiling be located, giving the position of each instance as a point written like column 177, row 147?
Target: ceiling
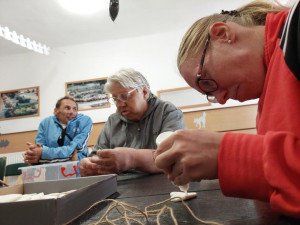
column 45, row 21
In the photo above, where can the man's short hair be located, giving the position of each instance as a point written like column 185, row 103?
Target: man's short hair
column 58, row 103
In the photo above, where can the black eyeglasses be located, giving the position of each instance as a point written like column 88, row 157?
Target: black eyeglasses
column 206, row 85
column 61, row 138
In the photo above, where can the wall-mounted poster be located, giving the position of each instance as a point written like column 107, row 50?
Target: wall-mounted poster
column 89, row 94
column 184, row 97
column 20, row 103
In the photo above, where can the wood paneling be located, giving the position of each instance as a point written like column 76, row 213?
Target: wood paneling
column 17, row 141
column 97, row 127
column 234, row 119
column 224, row 119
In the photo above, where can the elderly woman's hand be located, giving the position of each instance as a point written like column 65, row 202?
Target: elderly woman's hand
column 89, row 166
column 115, row 160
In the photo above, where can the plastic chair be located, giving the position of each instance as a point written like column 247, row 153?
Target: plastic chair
column 13, row 170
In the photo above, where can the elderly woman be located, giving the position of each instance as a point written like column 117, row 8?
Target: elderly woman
column 252, row 52
column 127, row 140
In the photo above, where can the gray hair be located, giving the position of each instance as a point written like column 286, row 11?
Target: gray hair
column 128, row 78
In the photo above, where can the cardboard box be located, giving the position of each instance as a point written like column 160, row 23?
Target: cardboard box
column 56, row 211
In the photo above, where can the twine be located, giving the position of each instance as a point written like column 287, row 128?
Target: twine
column 130, row 213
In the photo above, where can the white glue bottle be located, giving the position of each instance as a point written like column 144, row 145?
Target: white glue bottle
column 161, row 137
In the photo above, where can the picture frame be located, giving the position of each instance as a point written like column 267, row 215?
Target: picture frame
column 89, row 94
column 20, row 103
column 183, row 97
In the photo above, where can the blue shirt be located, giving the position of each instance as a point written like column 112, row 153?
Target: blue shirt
column 78, row 129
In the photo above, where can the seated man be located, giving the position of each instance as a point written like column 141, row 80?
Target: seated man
column 127, row 141
column 62, row 136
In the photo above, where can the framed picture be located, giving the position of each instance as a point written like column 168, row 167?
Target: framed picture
column 89, row 94
column 20, row 103
column 184, row 97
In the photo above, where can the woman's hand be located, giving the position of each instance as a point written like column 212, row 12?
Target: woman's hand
column 189, row 155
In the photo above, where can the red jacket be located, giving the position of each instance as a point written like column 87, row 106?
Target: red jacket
column 266, row 166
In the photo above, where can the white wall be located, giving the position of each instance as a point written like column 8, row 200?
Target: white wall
column 152, row 55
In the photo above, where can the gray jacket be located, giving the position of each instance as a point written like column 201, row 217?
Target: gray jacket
column 120, row 132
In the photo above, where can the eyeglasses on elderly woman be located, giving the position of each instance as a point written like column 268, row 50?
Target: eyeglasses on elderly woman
column 123, row 97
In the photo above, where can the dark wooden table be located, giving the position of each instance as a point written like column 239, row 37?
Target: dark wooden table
column 141, row 190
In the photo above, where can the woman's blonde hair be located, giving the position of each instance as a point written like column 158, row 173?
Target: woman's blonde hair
column 252, row 14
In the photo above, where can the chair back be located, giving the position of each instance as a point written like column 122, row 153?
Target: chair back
column 2, row 168
column 13, row 170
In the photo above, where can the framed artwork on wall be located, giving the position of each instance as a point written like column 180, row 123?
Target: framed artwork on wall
column 20, row 103
column 184, row 97
column 89, row 94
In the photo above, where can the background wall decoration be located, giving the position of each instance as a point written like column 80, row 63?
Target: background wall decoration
column 184, row 97
column 19, row 103
column 89, row 94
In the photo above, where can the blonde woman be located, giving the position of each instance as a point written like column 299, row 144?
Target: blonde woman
column 248, row 53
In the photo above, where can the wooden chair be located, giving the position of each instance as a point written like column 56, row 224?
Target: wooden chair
column 13, row 170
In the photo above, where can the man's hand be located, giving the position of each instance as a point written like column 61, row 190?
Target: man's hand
column 33, row 153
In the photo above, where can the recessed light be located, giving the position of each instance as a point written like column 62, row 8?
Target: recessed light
column 84, row 6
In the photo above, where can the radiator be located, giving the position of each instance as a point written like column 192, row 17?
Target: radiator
column 15, row 157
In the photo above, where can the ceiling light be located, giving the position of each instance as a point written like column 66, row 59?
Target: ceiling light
column 84, row 6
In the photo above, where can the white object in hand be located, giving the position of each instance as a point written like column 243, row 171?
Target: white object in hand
column 161, row 137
